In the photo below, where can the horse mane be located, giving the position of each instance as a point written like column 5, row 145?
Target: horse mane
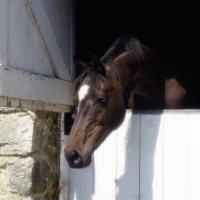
column 127, row 43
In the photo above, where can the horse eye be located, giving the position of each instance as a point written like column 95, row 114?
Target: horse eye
column 100, row 100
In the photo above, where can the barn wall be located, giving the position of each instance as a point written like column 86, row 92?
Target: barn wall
column 37, row 44
column 29, row 154
column 30, row 36
column 61, row 16
column 153, row 155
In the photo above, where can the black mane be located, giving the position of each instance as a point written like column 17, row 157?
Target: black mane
column 127, row 43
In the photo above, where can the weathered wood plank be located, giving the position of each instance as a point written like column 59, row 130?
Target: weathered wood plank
column 35, row 105
column 3, row 101
column 13, row 102
column 26, row 42
column 4, row 33
column 16, row 83
column 47, row 38
column 14, row 27
column 38, row 104
column 21, row 49
column 40, row 37
column 30, row 43
column 61, row 14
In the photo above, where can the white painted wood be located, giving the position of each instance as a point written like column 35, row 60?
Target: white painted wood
column 159, row 161
column 14, row 32
column 4, row 33
column 3, row 101
column 193, row 156
column 105, row 170
column 61, row 14
column 26, row 104
column 175, row 156
column 64, row 168
column 30, row 31
column 81, row 183
column 35, row 105
column 40, row 36
column 13, row 102
column 38, row 104
column 30, row 43
column 48, row 39
column 26, row 41
column 128, row 158
column 149, row 157
column 17, row 83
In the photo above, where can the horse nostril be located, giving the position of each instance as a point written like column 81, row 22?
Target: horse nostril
column 75, row 158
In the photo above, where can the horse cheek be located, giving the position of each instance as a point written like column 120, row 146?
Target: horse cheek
column 100, row 115
column 118, row 111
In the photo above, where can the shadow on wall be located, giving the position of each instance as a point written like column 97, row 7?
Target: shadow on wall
column 124, row 164
column 136, row 180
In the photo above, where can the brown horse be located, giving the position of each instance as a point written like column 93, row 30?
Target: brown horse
column 127, row 76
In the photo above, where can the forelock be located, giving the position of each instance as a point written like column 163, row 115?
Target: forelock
column 93, row 77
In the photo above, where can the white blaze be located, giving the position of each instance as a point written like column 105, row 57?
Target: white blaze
column 83, row 91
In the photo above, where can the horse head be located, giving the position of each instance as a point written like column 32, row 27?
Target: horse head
column 100, row 109
column 129, row 70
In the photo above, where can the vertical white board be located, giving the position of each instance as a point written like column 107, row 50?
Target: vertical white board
column 128, row 136
column 81, row 183
column 158, row 176
column 193, row 156
column 175, row 156
column 150, row 157
column 105, row 169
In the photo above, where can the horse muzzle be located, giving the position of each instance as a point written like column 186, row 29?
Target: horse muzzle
column 75, row 159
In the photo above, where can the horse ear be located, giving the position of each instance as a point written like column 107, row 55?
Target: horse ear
column 80, row 65
column 98, row 66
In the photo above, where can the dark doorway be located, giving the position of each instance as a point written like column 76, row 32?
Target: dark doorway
column 170, row 28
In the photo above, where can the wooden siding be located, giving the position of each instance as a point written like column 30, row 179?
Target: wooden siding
column 37, row 41
column 153, row 155
column 34, row 87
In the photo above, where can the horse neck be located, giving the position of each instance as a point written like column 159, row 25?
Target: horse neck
column 125, row 68
column 142, row 74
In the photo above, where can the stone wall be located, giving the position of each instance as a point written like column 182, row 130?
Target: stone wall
column 29, row 154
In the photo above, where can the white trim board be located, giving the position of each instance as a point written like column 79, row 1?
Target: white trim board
column 19, row 84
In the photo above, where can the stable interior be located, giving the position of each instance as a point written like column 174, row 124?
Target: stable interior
column 170, row 28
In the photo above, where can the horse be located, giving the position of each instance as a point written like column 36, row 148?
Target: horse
column 129, row 75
